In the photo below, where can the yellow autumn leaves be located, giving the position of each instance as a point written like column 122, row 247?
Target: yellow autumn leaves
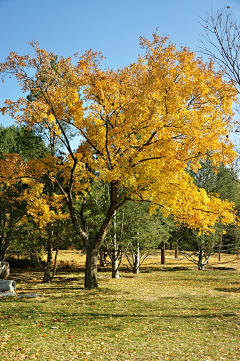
column 141, row 127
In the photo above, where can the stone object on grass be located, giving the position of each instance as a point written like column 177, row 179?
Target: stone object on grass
column 7, row 294
column 4, row 269
column 8, row 288
column 7, row 285
column 27, row 295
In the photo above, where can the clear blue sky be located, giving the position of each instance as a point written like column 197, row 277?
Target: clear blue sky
column 110, row 26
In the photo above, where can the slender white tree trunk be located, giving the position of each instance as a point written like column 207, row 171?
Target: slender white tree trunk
column 136, row 260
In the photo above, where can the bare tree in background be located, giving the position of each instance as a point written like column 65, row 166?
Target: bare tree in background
column 220, row 41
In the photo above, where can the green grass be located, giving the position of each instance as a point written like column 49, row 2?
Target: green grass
column 161, row 315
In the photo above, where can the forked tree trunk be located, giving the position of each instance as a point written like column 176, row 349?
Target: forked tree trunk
column 92, row 245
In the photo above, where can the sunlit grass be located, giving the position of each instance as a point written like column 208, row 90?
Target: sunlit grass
column 159, row 314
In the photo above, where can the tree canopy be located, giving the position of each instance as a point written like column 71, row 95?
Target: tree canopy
column 141, row 127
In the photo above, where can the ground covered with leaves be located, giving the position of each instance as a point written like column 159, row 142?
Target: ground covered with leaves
column 163, row 313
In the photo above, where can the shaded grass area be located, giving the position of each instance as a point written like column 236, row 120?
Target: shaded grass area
column 184, row 315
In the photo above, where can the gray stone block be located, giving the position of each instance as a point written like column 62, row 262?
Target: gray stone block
column 27, row 295
column 7, row 285
column 7, row 294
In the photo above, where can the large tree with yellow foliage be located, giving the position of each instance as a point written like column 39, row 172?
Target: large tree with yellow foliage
column 140, row 127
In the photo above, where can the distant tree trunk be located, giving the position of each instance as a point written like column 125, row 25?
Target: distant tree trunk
column 103, row 257
column 200, row 254
column 163, row 258
column 115, row 272
column 48, row 272
column 220, row 247
column 7, row 227
column 176, row 250
column 200, row 260
column 171, row 246
column 136, row 260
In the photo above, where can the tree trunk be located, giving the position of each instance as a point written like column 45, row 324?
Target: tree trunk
column 47, row 273
column 103, row 257
column 115, row 273
column 136, row 260
column 176, row 250
column 200, row 260
column 163, row 258
column 201, row 266
column 237, row 253
column 92, row 245
column 91, row 267
column 220, row 247
column 171, row 246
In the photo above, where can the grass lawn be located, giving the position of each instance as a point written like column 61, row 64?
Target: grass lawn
column 162, row 313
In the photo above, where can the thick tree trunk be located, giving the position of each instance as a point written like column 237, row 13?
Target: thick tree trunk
column 163, row 258
column 91, row 267
column 92, row 245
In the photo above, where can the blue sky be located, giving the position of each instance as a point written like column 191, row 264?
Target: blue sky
column 110, row 26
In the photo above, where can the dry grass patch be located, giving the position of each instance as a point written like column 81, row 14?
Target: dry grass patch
column 76, row 259
column 160, row 314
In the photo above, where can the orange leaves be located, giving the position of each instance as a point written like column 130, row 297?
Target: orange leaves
column 12, row 168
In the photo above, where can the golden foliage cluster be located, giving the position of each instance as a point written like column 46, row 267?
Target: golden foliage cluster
column 140, row 127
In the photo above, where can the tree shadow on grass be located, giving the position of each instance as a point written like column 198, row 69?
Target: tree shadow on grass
column 68, row 291
column 228, row 289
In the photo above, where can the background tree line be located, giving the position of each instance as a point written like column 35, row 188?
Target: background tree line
column 133, row 232
column 146, row 130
